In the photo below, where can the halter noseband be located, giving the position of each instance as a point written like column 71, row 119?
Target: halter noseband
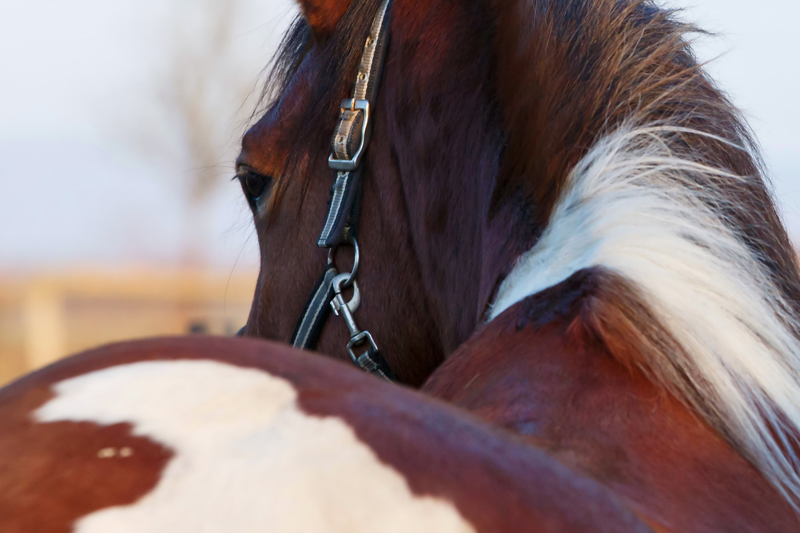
column 341, row 225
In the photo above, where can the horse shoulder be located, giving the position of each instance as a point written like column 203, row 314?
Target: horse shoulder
column 232, row 434
column 540, row 371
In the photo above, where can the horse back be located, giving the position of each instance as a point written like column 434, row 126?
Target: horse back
column 235, row 435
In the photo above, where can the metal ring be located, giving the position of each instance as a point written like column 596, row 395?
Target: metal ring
column 332, row 258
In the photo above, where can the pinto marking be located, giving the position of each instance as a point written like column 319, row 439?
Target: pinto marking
column 639, row 208
column 245, row 455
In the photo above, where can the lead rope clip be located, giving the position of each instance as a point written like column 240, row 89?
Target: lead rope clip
column 345, row 310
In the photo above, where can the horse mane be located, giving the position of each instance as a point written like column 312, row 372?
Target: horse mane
column 640, row 168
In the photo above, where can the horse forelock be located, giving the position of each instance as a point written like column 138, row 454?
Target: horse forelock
column 640, row 167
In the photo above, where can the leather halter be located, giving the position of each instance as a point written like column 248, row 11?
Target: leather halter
column 341, row 224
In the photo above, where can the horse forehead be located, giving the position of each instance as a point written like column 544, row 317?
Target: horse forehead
column 243, row 454
column 267, row 143
column 264, row 146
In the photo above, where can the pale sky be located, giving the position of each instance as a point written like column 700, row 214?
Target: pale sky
column 75, row 191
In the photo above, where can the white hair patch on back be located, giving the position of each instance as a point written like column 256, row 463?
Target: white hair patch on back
column 246, row 457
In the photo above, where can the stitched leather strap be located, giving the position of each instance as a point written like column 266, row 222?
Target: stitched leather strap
column 352, row 134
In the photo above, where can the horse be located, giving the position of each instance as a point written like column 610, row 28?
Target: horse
column 565, row 242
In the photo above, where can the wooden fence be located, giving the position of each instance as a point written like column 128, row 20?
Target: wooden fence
column 43, row 319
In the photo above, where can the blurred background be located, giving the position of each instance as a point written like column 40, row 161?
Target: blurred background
column 119, row 124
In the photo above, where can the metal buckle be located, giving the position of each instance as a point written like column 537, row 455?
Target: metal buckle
column 349, row 165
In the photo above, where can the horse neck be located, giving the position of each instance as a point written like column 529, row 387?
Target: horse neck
column 438, row 135
column 465, row 247
column 537, row 371
column 633, row 162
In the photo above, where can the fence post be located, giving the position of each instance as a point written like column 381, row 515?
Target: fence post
column 45, row 337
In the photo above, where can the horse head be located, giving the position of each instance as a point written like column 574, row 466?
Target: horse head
column 433, row 244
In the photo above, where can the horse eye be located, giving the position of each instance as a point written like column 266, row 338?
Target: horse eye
column 254, row 186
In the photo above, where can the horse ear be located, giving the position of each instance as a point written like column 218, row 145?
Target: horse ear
column 323, row 15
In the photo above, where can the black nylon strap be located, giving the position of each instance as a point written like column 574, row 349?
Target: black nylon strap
column 372, row 362
column 344, row 196
column 309, row 328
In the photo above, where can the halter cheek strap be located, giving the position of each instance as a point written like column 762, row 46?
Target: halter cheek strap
column 349, row 144
column 352, row 136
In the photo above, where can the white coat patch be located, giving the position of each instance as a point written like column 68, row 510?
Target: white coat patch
column 246, row 458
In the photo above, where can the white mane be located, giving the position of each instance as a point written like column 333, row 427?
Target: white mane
column 635, row 207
